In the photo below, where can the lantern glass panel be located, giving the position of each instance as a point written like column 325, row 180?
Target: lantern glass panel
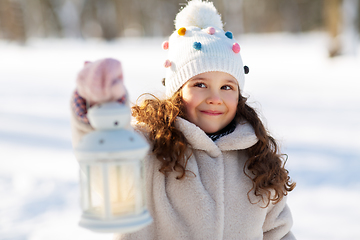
column 124, row 191
column 85, row 187
column 93, row 190
column 143, row 187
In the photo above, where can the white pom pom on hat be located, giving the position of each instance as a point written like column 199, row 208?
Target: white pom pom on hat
column 199, row 44
column 198, row 14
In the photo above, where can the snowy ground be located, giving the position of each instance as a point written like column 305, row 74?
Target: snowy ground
column 310, row 103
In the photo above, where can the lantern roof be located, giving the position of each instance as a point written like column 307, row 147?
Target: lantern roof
column 109, row 116
column 116, row 145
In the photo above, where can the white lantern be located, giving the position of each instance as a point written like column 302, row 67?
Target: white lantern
column 111, row 172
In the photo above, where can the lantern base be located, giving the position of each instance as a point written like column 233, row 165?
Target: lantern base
column 124, row 224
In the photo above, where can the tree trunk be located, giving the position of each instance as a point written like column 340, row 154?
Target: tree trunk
column 12, row 21
column 332, row 12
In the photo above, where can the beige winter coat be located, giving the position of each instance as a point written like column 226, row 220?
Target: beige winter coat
column 213, row 204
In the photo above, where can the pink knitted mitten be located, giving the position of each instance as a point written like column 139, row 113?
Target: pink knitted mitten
column 101, row 81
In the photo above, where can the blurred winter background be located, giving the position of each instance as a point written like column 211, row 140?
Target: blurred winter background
column 304, row 78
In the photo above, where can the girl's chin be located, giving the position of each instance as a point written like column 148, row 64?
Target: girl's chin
column 208, row 126
column 211, row 130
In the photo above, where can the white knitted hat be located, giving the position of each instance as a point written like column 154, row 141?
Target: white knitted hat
column 199, row 44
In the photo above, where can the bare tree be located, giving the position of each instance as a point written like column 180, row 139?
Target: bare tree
column 12, row 21
column 332, row 14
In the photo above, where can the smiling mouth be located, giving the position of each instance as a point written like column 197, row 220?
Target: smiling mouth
column 212, row 113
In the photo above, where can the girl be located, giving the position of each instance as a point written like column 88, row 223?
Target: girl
column 213, row 171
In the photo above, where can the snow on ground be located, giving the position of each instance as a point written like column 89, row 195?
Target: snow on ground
column 310, row 104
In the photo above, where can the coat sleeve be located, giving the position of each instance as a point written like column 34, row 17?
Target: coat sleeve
column 78, row 128
column 278, row 222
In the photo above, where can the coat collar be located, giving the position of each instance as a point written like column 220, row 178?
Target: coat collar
column 243, row 137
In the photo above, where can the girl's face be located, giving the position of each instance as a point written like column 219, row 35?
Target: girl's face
column 211, row 100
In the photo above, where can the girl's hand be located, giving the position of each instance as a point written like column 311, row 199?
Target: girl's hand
column 101, row 81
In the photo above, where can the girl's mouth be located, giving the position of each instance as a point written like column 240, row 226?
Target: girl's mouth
column 211, row 113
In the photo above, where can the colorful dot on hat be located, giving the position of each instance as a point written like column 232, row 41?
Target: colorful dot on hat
column 210, row 30
column 165, row 45
column 167, row 63
column 229, row 35
column 236, row 48
column 246, row 69
column 182, row 31
column 197, row 45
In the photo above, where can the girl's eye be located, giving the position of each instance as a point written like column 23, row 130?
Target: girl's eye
column 226, row 87
column 201, row 85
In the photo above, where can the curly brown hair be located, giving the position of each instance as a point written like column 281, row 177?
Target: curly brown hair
column 169, row 143
column 265, row 164
column 271, row 181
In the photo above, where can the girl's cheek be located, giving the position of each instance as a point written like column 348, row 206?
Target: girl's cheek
column 231, row 96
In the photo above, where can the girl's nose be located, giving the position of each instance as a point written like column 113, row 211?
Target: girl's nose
column 214, row 98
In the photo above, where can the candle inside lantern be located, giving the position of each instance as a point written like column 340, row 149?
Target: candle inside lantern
column 123, row 196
